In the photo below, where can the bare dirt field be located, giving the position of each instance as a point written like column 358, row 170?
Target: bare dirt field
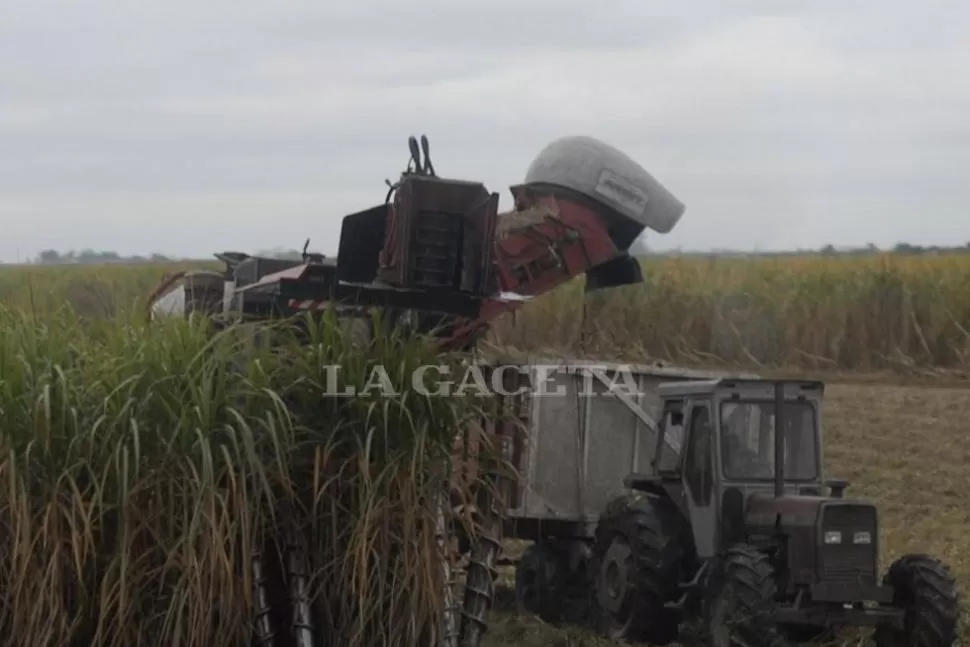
column 906, row 447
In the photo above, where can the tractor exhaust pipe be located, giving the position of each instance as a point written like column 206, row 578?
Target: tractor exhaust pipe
column 779, row 440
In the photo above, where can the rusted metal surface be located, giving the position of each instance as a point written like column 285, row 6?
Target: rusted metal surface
column 438, row 235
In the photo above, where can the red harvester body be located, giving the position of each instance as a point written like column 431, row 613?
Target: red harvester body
column 438, row 248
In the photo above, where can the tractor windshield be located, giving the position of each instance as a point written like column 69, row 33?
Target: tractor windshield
column 748, row 440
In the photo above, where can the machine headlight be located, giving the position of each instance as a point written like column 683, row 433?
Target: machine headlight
column 833, row 537
column 862, row 537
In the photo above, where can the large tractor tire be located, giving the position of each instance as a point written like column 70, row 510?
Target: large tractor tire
column 540, row 580
column 636, row 568
column 926, row 589
column 739, row 604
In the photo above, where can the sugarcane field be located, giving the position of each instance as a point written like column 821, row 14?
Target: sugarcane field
column 364, row 324
column 195, row 457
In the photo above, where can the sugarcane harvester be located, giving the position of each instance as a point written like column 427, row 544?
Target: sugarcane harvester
column 438, row 257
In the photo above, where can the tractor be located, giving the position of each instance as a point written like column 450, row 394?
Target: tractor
column 736, row 530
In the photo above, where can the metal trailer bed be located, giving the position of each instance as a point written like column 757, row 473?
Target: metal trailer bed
column 582, row 440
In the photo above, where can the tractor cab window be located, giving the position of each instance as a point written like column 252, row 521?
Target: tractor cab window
column 669, row 449
column 698, row 463
column 748, row 441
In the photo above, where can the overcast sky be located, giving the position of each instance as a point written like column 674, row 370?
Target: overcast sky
column 190, row 127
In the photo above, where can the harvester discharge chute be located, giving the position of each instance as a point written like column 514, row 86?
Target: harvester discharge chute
column 439, row 258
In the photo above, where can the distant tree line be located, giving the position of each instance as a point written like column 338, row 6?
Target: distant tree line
column 92, row 257
column 901, row 249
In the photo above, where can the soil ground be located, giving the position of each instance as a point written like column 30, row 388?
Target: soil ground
column 904, row 446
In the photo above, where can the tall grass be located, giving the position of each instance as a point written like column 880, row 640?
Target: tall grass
column 860, row 312
column 142, row 468
column 817, row 312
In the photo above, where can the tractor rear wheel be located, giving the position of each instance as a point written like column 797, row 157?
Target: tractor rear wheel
column 539, row 582
column 739, row 605
column 926, row 590
column 636, row 568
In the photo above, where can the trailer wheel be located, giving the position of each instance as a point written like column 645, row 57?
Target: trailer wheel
column 539, row 582
column 926, row 589
column 740, row 600
column 636, row 569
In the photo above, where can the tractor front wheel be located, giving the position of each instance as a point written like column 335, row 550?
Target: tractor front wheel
column 926, row 590
column 739, row 606
column 636, row 568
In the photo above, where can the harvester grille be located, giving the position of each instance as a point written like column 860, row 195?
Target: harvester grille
column 436, row 247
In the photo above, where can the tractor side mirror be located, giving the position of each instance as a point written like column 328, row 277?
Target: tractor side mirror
column 837, row 487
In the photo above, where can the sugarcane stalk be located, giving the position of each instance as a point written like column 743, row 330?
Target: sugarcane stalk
column 263, row 624
column 297, row 586
column 449, row 631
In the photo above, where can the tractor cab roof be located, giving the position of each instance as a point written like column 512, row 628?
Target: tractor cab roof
column 741, row 387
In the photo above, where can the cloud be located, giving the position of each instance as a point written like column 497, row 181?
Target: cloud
column 257, row 124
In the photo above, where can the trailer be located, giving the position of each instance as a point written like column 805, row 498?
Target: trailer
column 589, row 424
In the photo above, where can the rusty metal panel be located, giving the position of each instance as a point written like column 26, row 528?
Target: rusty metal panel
column 479, row 241
column 436, row 233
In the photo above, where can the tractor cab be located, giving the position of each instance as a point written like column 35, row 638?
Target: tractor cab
column 742, row 460
column 721, row 434
column 718, row 435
